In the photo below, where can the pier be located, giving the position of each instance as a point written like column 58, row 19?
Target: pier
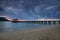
column 43, row 21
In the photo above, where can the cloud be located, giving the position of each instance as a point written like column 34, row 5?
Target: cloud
column 9, row 8
column 50, row 7
column 31, row 9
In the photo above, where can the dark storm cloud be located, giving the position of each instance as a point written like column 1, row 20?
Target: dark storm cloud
column 1, row 9
column 31, row 9
column 30, row 3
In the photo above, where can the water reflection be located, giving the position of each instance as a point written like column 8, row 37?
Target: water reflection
column 9, row 26
column 4, row 26
column 1, row 26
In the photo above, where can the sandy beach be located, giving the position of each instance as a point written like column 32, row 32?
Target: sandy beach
column 47, row 33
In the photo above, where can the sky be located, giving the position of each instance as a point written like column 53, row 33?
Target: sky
column 30, row 9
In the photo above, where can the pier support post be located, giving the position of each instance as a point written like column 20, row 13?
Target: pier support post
column 59, row 22
column 54, row 22
column 49, row 22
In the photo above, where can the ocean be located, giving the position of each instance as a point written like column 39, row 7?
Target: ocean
column 6, row 26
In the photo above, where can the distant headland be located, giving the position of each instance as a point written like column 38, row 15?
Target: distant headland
column 3, row 19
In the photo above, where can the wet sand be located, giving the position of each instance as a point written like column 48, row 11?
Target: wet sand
column 47, row 33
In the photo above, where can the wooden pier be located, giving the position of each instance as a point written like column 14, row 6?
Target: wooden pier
column 43, row 21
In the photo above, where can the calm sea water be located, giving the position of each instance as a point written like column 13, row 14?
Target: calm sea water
column 9, row 26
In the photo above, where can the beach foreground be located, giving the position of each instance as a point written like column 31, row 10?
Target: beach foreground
column 47, row 33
